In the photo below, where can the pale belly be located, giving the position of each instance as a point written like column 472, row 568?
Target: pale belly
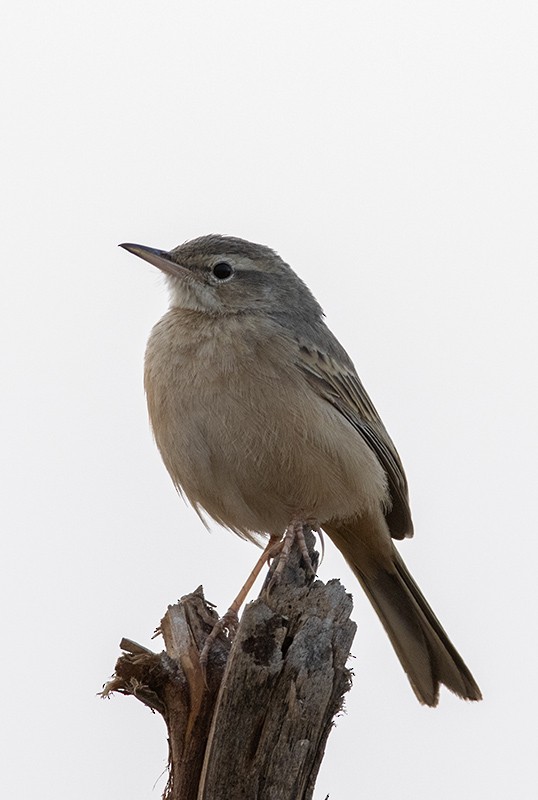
column 249, row 441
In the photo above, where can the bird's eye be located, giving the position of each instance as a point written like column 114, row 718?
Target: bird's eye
column 222, row 270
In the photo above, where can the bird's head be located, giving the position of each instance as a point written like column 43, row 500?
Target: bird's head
column 225, row 275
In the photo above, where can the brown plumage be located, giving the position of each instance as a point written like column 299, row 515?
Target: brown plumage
column 261, row 419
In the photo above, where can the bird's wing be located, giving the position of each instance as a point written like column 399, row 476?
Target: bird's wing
column 340, row 385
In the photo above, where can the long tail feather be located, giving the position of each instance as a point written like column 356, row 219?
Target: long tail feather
column 426, row 653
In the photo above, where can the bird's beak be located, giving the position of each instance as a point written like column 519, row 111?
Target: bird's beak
column 159, row 258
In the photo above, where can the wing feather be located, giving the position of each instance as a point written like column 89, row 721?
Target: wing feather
column 340, row 385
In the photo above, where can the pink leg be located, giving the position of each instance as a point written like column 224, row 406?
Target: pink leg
column 229, row 621
column 294, row 532
column 275, row 548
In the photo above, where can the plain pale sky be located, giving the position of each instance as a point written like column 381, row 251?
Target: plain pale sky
column 387, row 150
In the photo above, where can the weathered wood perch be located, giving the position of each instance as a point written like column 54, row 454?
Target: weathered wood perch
column 255, row 726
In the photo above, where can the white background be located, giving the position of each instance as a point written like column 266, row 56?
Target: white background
column 387, row 150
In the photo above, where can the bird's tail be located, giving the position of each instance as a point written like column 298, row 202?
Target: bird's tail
column 426, row 653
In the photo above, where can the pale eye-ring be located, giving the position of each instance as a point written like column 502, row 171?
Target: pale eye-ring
column 222, row 270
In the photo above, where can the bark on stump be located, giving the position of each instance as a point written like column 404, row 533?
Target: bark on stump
column 255, row 726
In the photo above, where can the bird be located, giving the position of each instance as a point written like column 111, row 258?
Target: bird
column 265, row 427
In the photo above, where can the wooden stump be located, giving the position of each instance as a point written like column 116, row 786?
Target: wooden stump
column 255, row 726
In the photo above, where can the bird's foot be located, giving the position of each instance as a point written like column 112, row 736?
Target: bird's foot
column 277, row 551
column 295, row 532
column 228, row 622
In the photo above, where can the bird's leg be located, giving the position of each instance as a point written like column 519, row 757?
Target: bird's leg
column 229, row 621
column 294, row 532
column 275, row 548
